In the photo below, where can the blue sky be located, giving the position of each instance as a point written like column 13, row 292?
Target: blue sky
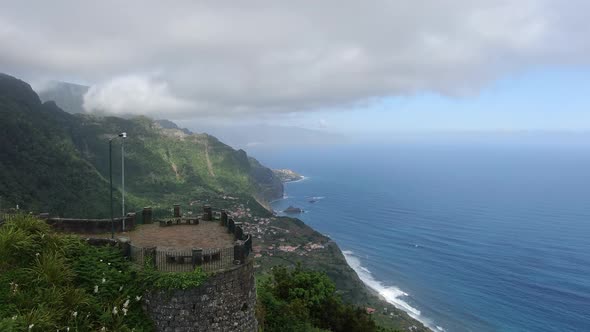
column 553, row 99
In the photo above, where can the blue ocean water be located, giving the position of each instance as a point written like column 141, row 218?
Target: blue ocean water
column 464, row 238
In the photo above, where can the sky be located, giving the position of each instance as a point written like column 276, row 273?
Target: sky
column 357, row 67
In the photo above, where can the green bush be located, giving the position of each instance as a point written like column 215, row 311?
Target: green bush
column 51, row 282
column 304, row 300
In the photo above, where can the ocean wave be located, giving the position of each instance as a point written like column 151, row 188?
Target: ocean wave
column 391, row 294
column 285, row 196
column 303, row 178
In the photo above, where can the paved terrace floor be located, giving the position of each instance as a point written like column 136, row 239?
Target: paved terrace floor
column 207, row 234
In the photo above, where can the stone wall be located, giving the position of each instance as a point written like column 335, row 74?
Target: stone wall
column 225, row 302
column 90, row 226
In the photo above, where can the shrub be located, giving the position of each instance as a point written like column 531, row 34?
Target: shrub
column 304, row 300
column 52, row 282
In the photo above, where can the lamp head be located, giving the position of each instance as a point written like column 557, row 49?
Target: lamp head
column 123, row 135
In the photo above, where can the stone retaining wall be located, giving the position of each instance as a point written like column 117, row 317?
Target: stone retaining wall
column 226, row 302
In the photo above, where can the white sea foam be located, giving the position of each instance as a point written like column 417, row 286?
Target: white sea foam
column 303, row 177
column 280, row 199
column 391, row 294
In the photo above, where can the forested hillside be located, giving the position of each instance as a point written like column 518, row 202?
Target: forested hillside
column 57, row 162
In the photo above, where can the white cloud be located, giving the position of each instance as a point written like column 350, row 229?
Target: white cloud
column 224, row 59
column 134, row 95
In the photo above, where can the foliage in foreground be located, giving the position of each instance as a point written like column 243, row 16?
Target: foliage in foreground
column 305, row 300
column 51, row 283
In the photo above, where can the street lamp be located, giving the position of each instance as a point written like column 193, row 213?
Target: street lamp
column 122, row 135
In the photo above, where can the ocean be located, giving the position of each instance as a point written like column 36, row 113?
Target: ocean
column 462, row 237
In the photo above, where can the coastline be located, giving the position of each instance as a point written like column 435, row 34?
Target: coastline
column 285, row 196
column 387, row 294
column 303, row 177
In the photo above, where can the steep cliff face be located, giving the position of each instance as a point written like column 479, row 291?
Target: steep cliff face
column 59, row 162
column 269, row 186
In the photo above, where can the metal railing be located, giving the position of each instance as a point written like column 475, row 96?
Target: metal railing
column 209, row 259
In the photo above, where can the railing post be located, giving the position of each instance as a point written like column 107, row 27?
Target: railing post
column 230, row 225
column 197, row 257
column 223, row 218
column 238, row 232
column 147, row 215
column 176, row 210
column 238, row 253
column 207, row 213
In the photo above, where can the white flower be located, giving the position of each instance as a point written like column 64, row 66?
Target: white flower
column 37, row 254
column 103, row 328
column 137, row 298
column 124, row 311
column 75, row 314
column 31, row 326
column 120, row 288
column 109, row 263
column 13, row 287
column 126, row 304
column 95, row 289
column 101, row 260
column 115, row 310
column 67, row 329
column 104, row 280
column 14, row 317
column 120, row 271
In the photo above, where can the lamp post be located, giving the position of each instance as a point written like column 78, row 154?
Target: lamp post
column 123, row 177
column 123, row 135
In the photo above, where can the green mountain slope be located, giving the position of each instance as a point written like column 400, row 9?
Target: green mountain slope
column 58, row 162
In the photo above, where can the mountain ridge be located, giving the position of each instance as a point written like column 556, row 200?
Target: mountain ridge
column 162, row 165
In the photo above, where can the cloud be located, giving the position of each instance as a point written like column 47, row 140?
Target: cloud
column 134, row 95
column 224, row 59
